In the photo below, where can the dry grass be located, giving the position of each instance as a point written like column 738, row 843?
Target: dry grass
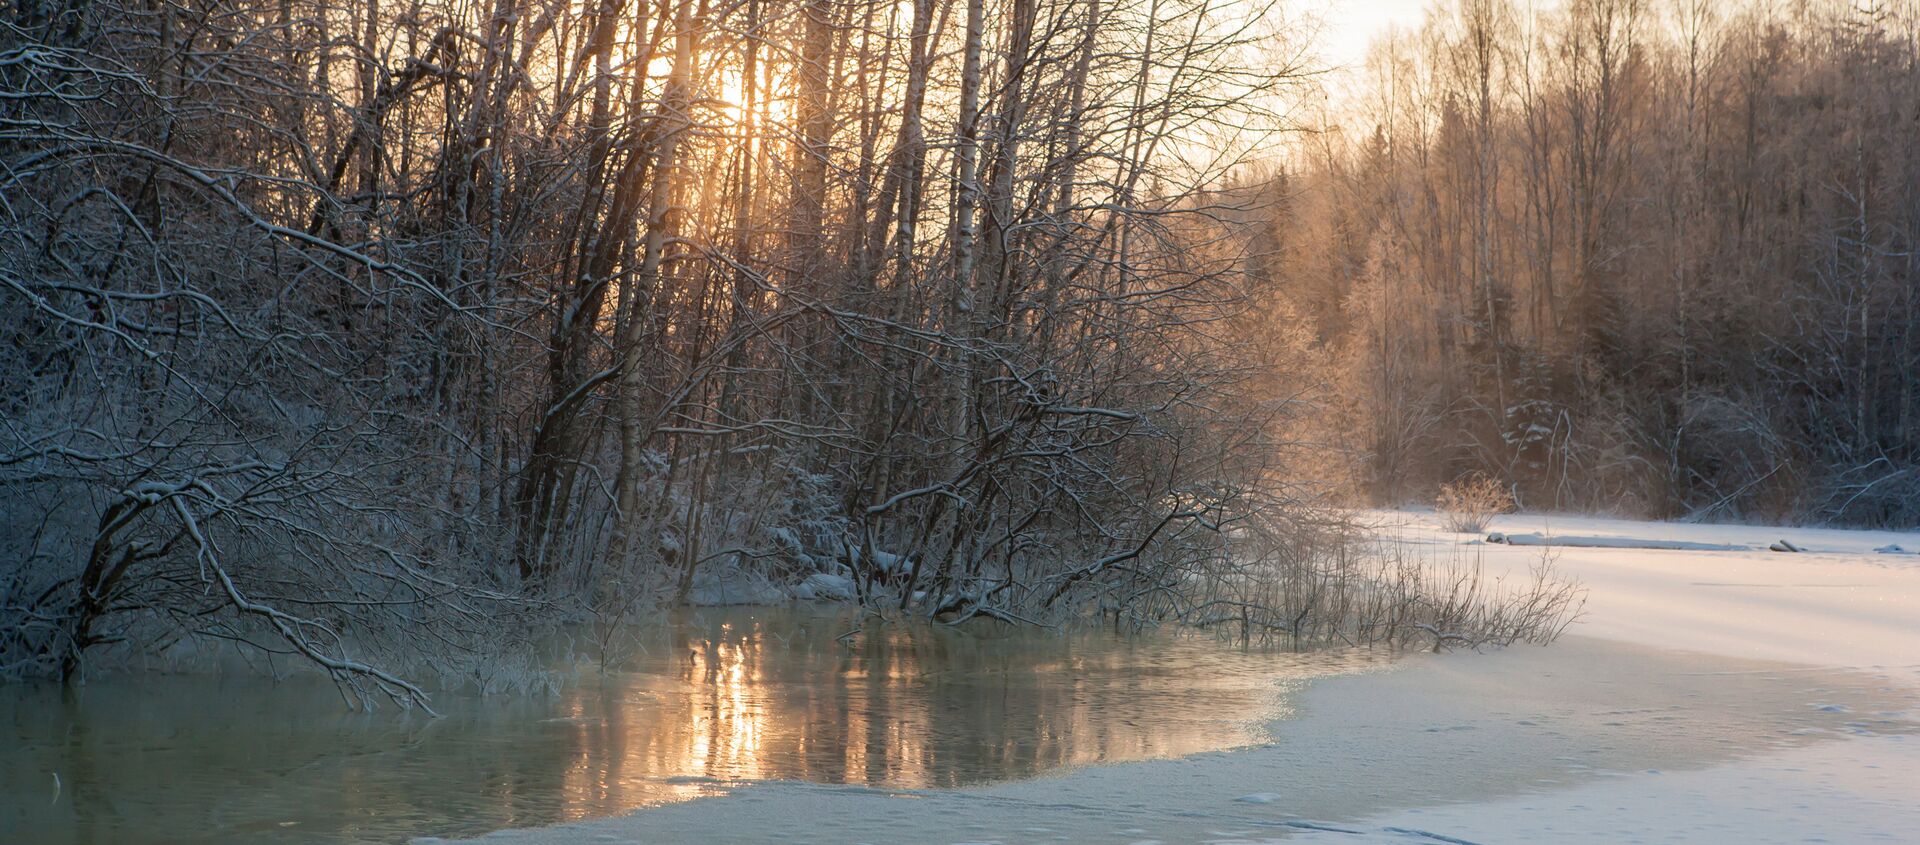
column 1345, row 587
column 1471, row 502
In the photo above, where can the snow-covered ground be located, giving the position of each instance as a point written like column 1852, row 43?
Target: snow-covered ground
column 1839, row 603
column 1708, row 696
column 1849, row 603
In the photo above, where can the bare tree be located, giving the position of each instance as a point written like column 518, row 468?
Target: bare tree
column 1691, row 243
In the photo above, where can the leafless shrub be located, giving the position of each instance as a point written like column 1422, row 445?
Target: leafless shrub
column 1367, row 592
column 1470, row 503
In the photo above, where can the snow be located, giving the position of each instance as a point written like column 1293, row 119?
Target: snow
column 821, row 585
column 1835, row 540
column 1832, row 792
column 726, row 586
column 1499, row 538
column 1838, row 603
column 1708, row 696
column 889, row 562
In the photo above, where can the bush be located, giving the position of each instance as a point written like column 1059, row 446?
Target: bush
column 1472, row 501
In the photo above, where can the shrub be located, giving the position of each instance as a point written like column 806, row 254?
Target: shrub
column 1472, row 501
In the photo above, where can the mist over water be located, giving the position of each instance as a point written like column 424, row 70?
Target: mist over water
column 715, row 698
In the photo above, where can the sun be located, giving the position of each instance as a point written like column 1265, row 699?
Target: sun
column 765, row 105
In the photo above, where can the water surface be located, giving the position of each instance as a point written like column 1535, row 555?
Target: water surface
column 714, row 699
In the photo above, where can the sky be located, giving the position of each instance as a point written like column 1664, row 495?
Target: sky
column 1351, row 24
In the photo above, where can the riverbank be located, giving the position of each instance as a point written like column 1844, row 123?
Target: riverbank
column 1708, row 696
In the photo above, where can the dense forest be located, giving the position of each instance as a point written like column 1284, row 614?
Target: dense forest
column 1650, row 258
column 392, row 337
column 377, row 328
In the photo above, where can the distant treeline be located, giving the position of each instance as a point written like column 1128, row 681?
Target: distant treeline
column 1659, row 258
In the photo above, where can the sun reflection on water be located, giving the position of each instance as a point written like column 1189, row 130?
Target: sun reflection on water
column 711, row 700
column 734, row 697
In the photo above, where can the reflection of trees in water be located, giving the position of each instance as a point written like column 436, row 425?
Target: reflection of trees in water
column 726, row 695
column 181, row 760
column 736, row 698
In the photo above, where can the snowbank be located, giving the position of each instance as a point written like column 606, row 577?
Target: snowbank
column 823, row 587
column 1498, row 538
column 732, row 587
